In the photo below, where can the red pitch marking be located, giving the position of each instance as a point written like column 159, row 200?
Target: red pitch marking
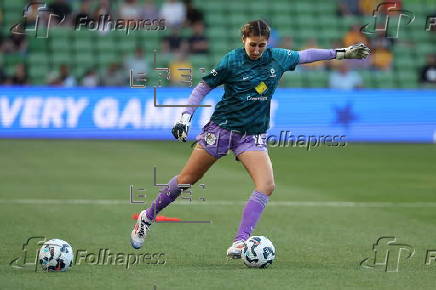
column 159, row 218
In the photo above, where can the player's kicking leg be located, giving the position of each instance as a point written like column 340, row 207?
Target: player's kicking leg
column 198, row 163
column 258, row 165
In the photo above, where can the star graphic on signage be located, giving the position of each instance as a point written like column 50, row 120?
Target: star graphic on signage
column 345, row 115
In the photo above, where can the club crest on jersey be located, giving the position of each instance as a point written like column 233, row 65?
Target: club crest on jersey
column 273, row 73
column 210, row 138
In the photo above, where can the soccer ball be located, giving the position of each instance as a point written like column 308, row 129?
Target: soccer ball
column 258, row 252
column 56, row 255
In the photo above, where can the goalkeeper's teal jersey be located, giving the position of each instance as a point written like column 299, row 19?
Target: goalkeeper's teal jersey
column 248, row 88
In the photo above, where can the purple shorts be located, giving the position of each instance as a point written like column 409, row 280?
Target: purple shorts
column 218, row 141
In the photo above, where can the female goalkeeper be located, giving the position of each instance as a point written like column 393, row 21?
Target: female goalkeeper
column 250, row 76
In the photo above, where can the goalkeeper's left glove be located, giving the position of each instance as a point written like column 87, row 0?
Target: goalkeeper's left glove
column 357, row 51
column 181, row 127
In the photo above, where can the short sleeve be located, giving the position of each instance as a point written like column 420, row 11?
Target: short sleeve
column 219, row 74
column 287, row 58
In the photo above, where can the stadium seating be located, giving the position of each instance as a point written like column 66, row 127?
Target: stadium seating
column 302, row 20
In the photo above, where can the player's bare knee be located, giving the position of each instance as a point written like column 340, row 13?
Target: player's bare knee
column 271, row 188
column 267, row 188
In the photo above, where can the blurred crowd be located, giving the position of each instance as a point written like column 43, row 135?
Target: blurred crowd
column 178, row 15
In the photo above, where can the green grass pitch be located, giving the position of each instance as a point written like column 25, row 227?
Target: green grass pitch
column 320, row 240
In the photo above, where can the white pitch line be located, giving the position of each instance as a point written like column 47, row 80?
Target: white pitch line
column 227, row 203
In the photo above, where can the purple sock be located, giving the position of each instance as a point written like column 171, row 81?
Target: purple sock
column 251, row 214
column 166, row 196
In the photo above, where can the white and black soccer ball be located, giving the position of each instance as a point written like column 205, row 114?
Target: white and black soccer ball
column 56, row 255
column 258, row 252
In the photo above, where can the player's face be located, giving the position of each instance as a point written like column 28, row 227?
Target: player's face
column 255, row 46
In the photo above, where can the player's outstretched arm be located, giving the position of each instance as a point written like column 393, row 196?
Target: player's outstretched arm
column 356, row 51
column 181, row 127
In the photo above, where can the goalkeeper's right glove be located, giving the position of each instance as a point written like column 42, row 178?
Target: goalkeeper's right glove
column 356, row 51
column 181, row 127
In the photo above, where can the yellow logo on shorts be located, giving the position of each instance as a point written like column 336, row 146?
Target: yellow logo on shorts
column 260, row 88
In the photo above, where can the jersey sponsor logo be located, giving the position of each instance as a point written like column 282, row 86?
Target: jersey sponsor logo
column 273, row 73
column 250, row 98
column 214, row 72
